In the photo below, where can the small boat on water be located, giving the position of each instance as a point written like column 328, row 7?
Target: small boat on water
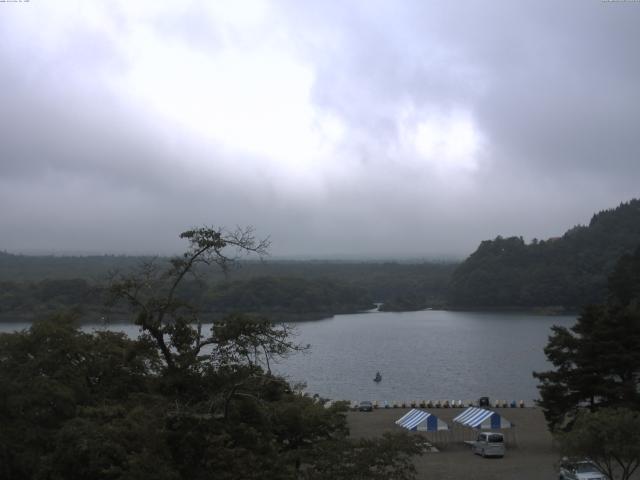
column 378, row 377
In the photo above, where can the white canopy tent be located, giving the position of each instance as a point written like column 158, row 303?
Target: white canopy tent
column 419, row 420
column 475, row 418
column 482, row 419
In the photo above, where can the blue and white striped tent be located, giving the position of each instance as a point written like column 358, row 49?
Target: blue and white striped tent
column 421, row 421
column 480, row 418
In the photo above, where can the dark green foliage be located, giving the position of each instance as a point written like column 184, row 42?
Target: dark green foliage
column 53, row 373
column 568, row 272
column 405, row 303
column 29, row 299
column 289, row 290
column 101, row 406
column 366, row 459
column 382, row 280
column 34, row 268
column 282, row 290
column 111, row 443
column 286, row 290
column 610, row 438
column 597, row 361
column 287, row 295
column 624, row 282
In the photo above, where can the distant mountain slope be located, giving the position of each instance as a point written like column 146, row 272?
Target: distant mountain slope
column 35, row 286
column 570, row 271
column 30, row 268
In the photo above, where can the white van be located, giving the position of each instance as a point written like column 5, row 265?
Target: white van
column 489, row 444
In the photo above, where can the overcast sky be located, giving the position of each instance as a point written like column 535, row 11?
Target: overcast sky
column 363, row 128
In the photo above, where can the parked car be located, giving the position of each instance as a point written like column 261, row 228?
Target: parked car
column 489, row 444
column 483, row 402
column 580, row 470
column 365, row 406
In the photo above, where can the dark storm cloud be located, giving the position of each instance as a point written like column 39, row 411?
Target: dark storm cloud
column 547, row 92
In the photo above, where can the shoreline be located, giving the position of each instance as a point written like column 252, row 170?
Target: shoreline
column 549, row 311
column 90, row 317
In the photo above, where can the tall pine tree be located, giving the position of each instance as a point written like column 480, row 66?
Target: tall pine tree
column 597, row 361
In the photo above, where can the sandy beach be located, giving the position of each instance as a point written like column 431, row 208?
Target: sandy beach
column 532, row 457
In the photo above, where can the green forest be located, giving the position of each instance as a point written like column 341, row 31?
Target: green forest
column 556, row 274
column 285, row 290
column 565, row 272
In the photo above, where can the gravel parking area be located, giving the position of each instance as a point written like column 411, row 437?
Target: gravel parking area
column 532, row 457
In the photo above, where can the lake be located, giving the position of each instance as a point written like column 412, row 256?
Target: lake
column 425, row 355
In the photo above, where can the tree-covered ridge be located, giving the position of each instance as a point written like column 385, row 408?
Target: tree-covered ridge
column 35, row 268
column 276, row 295
column 569, row 271
column 280, row 297
column 94, row 268
column 284, row 289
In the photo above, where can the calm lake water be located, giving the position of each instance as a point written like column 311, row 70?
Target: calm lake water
column 421, row 355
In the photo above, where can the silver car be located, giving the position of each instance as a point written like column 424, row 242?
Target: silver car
column 582, row 470
column 489, row 444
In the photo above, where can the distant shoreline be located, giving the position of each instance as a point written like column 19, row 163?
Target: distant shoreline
column 553, row 310
column 121, row 318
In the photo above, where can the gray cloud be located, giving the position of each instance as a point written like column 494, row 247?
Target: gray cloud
column 87, row 163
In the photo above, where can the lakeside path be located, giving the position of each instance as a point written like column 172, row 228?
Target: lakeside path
column 534, row 457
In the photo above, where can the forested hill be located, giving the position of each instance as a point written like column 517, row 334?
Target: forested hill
column 36, row 286
column 95, row 268
column 569, row 271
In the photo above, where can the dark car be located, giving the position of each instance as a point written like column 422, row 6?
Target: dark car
column 582, row 470
column 365, row 406
column 483, row 402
